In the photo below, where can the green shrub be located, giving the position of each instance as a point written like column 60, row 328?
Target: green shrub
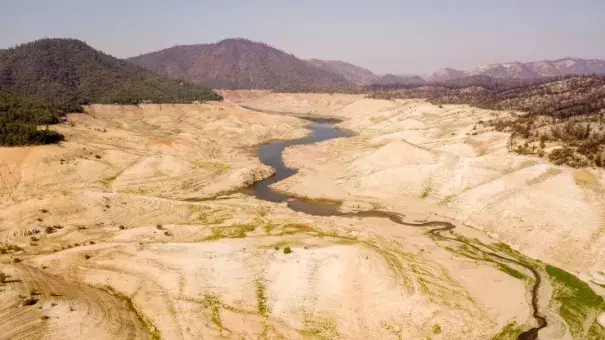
column 20, row 117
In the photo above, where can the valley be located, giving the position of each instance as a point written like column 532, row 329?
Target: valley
column 143, row 219
column 396, row 170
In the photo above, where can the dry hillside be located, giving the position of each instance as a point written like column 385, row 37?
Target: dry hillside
column 236, row 64
column 133, row 229
column 561, row 118
column 352, row 73
column 528, row 70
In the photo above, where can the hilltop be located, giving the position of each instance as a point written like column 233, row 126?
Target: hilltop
column 68, row 71
column 352, row 73
column 236, row 64
column 391, row 79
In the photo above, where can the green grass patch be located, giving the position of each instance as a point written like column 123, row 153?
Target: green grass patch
column 321, row 201
column 108, row 180
column 233, row 231
column 338, row 238
column 426, row 192
column 511, row 271
column 269, row 227
column 261, row 299
column 579, row 305
column 284, row 243
column 217, row 168
column 447, row 199
column 510, row 332
column 392, row 328
column 320, row 327
column 295, row 228
column 503, row 247
column 212, row 302
column 152, row 329
column 205, row 215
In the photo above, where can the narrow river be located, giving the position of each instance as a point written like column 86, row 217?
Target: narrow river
column 271, row 154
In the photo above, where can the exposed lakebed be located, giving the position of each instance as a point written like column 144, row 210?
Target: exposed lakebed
column 271, row 154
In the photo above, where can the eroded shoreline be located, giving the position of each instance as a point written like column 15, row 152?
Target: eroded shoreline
column 271, row 154
column 147, row 202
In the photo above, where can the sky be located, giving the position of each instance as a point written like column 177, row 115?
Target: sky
column 386, row 36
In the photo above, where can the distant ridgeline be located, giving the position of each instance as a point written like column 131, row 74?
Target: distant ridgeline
column 44, row 79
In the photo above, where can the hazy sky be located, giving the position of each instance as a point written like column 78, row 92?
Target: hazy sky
column 396, row 36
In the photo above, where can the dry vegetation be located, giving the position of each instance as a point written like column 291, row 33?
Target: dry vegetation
column 562, row 119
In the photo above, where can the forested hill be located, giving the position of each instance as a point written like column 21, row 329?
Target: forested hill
column 68, row 71
column 19, row 117
column 237, row 64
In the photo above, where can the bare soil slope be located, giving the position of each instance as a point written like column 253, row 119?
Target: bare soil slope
column 440, row 158
column 131, row 229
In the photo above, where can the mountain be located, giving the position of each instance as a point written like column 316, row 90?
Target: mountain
column 391, row 79
column 530, row 70
column 236, row 64
column 68, row 71
column 446, row 74
column 350, row 72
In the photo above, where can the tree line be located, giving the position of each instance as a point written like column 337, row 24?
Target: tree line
column 71, row 73
column 20, row 117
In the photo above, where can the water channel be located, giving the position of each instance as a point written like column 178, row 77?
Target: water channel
column 271, row 154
